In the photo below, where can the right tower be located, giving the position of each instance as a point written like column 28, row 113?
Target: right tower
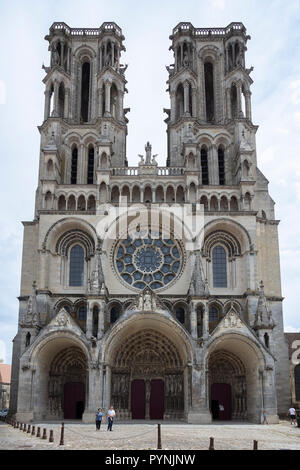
column 211, row 134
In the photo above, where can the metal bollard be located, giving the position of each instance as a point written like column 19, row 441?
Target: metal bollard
column 51, row 438
column 44, row 434
column 18, row 424
column 33, row 431
column 158, row 437
column 255, row 445
column 211, row 443
column 21, row 426
column 28, row 429
column 38, row 434
column 62, row 434
column 24, row 428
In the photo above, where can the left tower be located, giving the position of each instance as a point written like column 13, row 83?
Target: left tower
column 83, row 135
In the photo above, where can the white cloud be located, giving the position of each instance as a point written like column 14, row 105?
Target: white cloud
column 291, row 329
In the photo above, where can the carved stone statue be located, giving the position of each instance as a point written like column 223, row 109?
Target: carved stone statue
column 55, row 56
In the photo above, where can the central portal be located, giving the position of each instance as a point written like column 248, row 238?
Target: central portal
column 147, row 378
column 145, row 405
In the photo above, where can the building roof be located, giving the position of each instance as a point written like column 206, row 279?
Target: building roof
column 291, row 337
column 5, row 373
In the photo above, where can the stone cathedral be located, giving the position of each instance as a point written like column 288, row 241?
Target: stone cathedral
column 145, row 317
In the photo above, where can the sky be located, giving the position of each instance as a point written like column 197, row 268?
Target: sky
column 274, row 51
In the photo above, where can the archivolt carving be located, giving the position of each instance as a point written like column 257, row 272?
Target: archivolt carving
column 147, row 347
column 221, row 236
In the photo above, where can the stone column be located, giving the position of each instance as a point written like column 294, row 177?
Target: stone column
column 173, row 105
column 25, row 397
column 239, row 100
column 248, row 105
column 108, row 386
column 199, row 412
column 120, row 105
column 101, row 320
column 100, row 101
column 193, row 321
column 206, row 321
column 67, row 103
column 107, row 98
column 269, row 395
column 89, row 322
column 62, row 48
column 81, row 165
column 228, row 104
column 93, row 393
column 194, row 102
column 214, row 166
column 47, row 104
column 55, row 103
column 186, row 98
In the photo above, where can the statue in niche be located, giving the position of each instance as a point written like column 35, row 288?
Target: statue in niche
column 55, row 56
column 147, row 301
column 185, row 60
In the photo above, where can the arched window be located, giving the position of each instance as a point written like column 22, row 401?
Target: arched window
column 148, row 194
column 219, row 265
column 221, row 163
column 27, row 340
column 209, row 91
column 72, row 203
column 81, row 313
column 234, row 204
column 136, row 194
column 115, row 194
column 114, row 313
column 74, row 165
column 91, row 205
column 180, row 314
column 204, row 165
column 62, row 203
column 114, row 101
column 179, row 101
column 213, row 315
column 61, row 100
column 85, row 91
column 76, row 273
column 95, row 320
column 297, row 382
column 233, row 98
column 81, row 203
column 266, row 340
column 90, row 168
column 200, row 321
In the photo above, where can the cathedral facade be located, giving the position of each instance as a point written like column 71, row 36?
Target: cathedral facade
column 153, row 289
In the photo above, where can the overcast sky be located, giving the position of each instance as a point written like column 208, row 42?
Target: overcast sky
column 274, row 51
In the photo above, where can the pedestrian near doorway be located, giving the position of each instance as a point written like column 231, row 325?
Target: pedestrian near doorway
column 292, row 413
column 110, row 418
column 99, row 415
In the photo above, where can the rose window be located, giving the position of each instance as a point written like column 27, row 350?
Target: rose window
column 153, row 262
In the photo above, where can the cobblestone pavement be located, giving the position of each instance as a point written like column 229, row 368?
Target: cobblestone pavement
column 179, row 436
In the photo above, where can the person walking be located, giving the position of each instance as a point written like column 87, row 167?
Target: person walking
column 99, row 415
column 110, row 418
column 265, row 421
column 292, row 413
